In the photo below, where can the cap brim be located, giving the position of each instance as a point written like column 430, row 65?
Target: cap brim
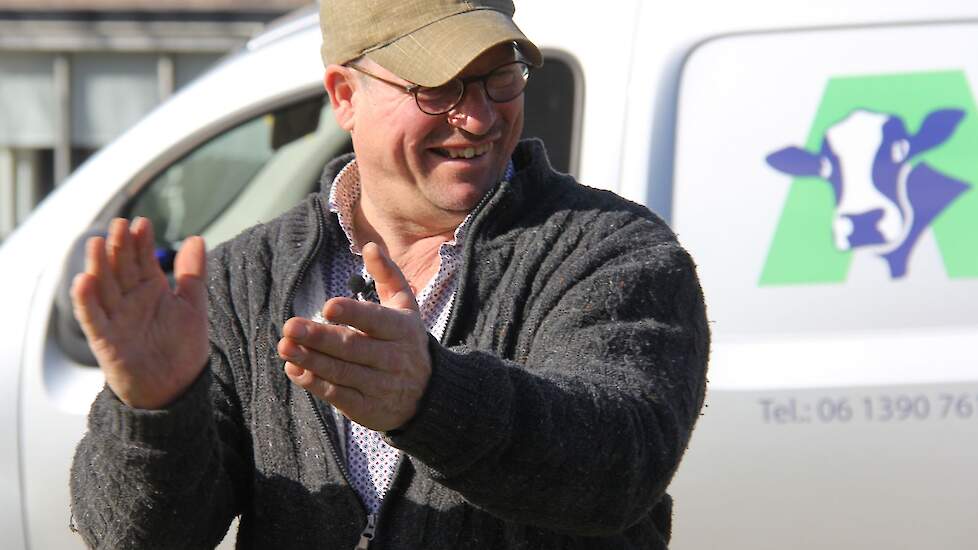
column 436, row 53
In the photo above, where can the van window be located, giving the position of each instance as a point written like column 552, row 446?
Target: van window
column 249, row 174
column 552, row 110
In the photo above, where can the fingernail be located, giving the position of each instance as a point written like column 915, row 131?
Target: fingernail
column 294, row 370
column 299, row 330
column 294, row 354
column 335, row 310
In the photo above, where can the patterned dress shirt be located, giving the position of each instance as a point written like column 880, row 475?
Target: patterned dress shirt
column 371, row 462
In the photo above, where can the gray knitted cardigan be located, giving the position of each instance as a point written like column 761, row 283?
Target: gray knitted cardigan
column 561, row 400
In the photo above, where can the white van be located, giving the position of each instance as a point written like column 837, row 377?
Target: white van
column 818, row 159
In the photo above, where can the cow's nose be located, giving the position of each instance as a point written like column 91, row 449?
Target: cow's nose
column 900, row 151
column 841, row 230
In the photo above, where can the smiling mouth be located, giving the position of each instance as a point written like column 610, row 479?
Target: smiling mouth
column 464, row 152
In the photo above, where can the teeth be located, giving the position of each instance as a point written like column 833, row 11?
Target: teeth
column 468, row 152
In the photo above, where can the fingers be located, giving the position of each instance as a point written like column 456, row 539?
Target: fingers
column 336, row 341
column 335, row 371
column 130, row 249
column 145, row 243
column 97, row 265
column 378, row 321
column 190, row 272
column 348, row 400
column 127, row 258
column 87, row 304
column 392, row 286
column 122, row 254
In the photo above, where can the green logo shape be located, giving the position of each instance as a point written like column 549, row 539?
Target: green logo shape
column 802, row 250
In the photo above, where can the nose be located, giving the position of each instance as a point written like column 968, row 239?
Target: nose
column 476, row 113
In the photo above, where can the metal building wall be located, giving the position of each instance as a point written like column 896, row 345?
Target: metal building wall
column 75, row 74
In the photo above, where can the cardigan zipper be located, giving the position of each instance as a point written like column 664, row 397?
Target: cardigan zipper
column 370, row 529
column 304, row 266
column 321, row 226
column 368, row 532
column 479, row 215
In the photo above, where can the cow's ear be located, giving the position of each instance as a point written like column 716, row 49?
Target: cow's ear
column 935, row 130
column 796, row 162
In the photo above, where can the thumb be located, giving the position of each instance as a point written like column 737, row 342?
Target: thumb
column 190, row 272
column 392, row 287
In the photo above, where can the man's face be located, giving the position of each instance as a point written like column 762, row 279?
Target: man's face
column 405, row 156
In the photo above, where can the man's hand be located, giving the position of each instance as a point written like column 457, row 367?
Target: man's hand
column 149, row 340
column 376, row 369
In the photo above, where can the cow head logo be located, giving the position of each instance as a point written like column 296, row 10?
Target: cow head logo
column 883, row 199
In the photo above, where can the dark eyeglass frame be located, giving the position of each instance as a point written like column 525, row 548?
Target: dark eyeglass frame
column 413, row 89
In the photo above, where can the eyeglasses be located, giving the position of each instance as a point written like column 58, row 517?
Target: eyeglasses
column 502, row 84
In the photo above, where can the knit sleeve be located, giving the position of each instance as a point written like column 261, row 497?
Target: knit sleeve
column 170, row 478
column 583, row 433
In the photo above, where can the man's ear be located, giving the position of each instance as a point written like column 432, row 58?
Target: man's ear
column 340, row 87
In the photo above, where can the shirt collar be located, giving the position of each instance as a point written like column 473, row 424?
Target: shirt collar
column 344, row 194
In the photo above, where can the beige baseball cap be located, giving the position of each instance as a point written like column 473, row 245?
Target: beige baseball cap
column 427, row 42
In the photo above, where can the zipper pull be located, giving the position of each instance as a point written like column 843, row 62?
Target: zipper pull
column 367, row 534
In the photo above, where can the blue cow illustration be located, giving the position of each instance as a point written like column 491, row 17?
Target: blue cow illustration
column 883, row 203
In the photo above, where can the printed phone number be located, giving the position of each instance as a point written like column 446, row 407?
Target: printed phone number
column 878, row 408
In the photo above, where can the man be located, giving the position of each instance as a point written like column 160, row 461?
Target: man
column 529, row 378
